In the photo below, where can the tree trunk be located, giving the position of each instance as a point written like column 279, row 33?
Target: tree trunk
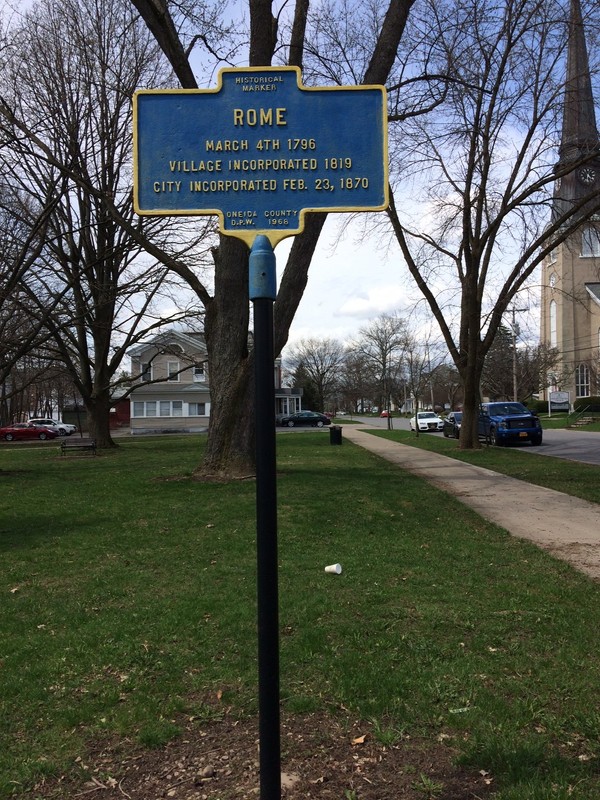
column 469, row 429
column 471, row 361
column 98, row 412
column 230, row 448
column 231, row 432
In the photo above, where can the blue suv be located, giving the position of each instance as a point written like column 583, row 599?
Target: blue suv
column 505, row 422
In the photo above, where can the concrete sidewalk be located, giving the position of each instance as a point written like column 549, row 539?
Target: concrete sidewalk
column 566, row 526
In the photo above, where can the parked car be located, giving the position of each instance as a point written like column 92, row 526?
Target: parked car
column 304, row 418
column 427, row 421
column 62, row 428
column 25, row 430
column 508, row 421
column 385, row 413
column 452, row 423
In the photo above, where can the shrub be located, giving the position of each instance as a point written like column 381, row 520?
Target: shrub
column 537, row 406
column 591, row 403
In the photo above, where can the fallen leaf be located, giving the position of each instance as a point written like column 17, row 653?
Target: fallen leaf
column 360, row 739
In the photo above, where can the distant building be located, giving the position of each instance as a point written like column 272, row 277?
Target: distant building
column 172, row 385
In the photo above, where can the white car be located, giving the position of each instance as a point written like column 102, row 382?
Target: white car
column 427, row 421
column 62, row 428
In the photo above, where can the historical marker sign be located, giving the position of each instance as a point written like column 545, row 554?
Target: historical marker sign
column 260, row 151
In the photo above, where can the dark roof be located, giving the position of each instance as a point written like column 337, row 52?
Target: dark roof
column 594, row 291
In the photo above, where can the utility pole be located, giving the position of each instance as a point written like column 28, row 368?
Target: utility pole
column 515, row 332
column 430, row 378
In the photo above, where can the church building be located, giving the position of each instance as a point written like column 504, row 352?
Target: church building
column 570, row 295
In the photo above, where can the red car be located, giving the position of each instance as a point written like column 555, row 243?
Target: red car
column 23, row 430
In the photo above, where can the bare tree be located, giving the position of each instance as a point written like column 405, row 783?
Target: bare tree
column 21, row 329
column 67, row 88
column 321, row 360
column 383, row 344
column 497, row 373
column 448, row 381
column 417, row 373
column 481, row 166
column 358, row 384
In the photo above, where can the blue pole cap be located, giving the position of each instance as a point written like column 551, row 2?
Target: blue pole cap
column 262, row 278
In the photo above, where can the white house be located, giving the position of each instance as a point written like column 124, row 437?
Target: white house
column 173, row 391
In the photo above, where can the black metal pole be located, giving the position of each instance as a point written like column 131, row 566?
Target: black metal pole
column 262, row 294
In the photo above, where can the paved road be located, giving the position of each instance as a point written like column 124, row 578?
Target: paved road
column 398, row 423
column 574, row 445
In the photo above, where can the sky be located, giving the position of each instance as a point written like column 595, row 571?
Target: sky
column 350, row 283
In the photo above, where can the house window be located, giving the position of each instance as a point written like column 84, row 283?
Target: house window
column 166, row 408
column 553, row 326
column 199, row 374
column 590, row 241
column 582, row 381
column 145, row 371
column 141, row 409
column 172, row 371
column 197, row 409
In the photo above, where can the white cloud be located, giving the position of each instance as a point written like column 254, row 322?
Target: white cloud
column 351, row 282
column 379, row 300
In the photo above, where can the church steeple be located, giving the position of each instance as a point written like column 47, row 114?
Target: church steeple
column 579, row 132
column 579, row 139
column 570, row 283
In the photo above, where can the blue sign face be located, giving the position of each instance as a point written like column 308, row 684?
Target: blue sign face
column 260, row 151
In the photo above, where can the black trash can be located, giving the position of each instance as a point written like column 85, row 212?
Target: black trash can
column 335, row 434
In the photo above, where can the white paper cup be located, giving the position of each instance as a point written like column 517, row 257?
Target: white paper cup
column 334, row 569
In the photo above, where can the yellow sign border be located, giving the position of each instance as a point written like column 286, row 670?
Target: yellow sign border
column 246, row 235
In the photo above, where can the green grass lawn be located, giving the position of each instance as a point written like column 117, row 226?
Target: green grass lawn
column 564, row 420
column 128, row 595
